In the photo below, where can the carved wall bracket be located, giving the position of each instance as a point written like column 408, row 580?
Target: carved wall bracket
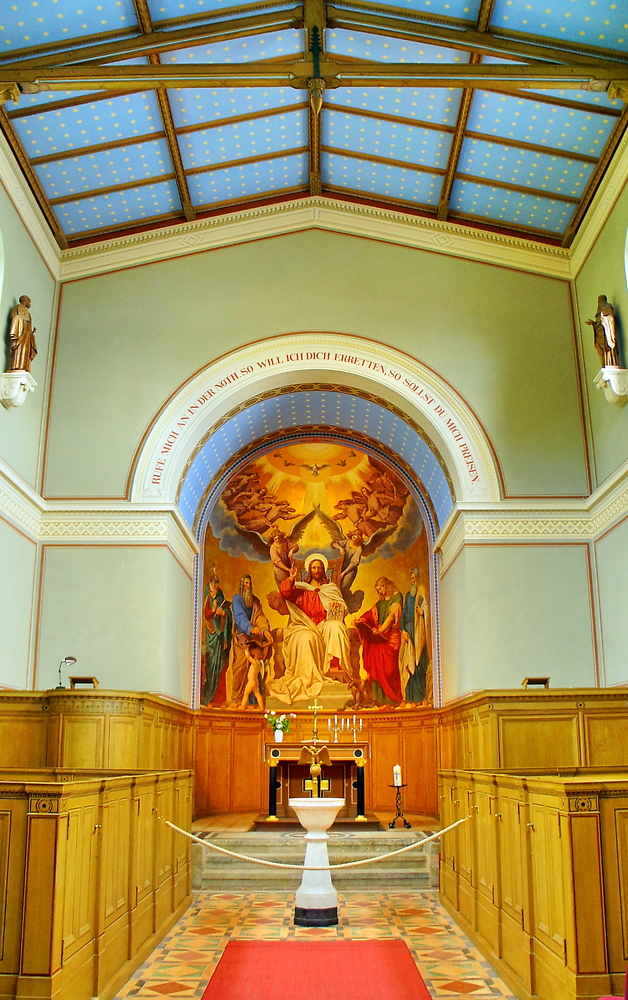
column 614, row 384
column 14, row 387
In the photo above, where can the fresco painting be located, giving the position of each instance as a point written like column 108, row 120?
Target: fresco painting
column 316, row 585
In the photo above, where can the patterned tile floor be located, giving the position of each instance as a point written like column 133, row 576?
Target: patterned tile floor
column 186, row 958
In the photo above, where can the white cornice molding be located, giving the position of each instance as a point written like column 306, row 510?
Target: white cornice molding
column 19, row 502
column 12, row 179
column 326, row 214
column 612, row 185
column 536, row 522
column 89, row 523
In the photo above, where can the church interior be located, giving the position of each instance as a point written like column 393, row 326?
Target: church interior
column 313, row 497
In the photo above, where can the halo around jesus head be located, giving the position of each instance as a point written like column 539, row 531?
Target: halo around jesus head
column 316, row 556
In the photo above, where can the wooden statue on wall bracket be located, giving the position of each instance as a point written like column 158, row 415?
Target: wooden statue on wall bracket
column 612, row 379
column 18, row 381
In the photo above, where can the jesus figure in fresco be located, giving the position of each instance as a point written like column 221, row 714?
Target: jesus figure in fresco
column 316, row 639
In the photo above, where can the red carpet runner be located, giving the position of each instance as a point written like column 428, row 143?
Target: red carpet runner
column 316, row 970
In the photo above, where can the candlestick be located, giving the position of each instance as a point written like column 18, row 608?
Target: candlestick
column 360, row 725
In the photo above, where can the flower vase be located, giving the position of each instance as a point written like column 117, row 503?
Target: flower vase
column 278, row 735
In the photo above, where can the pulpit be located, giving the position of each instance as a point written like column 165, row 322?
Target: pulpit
column 343, row 778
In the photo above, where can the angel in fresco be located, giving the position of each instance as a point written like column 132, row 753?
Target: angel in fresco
column 353, row 548
column 281, row 552
column 278, row 549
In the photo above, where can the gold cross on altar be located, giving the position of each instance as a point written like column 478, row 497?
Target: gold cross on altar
column 309, row 785
column 315, row 707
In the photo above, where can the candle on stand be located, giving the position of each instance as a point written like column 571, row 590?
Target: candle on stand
column 396, row 775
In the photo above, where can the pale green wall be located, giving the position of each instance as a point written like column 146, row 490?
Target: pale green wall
column 17, row 557
column 124, row 612
column 612, row 559
column 502, row 337
column 516, row 611
column 604, row 273
column 24, row 274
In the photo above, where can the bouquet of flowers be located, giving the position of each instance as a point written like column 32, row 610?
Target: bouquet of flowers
column 281, row 722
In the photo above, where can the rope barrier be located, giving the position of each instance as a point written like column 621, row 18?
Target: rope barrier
column 313, row 868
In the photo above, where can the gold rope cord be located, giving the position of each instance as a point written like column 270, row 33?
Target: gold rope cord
column 313, row 868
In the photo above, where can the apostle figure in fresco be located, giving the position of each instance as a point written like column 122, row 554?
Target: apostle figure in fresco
column 414, row 654
column 315, row 640
column 250, row 628
column 217, row 619
column 380, row 636
column 22, row 337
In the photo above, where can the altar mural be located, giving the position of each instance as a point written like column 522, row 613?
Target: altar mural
column 316, row 585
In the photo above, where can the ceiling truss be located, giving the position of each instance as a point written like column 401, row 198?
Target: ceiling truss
column 527, row 62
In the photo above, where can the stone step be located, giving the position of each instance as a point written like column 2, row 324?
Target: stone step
column 414, row 869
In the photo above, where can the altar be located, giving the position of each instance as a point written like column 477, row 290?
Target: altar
column 342, row 778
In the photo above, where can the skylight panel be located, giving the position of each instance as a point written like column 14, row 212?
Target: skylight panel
column 270, row 45
column 98, row 170
column 524, row 167
column 89, row 124
column 241, row 140
column 527, row 120
column 504, row 206
column 134, row 205
column 249, row 180
column 388, row 139
column 438, row 105
column 23, row 25
column 603, row 23
column 380, row 179
column 382, row 48
column 192, row 107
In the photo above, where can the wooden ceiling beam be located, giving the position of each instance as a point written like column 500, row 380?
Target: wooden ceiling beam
column 388, row 161
column 101, row 147
column 484, row 19
column 382, row 116
column 479, row 41
column 168, row 41
column 145, row 22
column 315, row 19
column 297, row 73
column 31, row 178
column 456, row 27
column 244, row 161
column 594, row 182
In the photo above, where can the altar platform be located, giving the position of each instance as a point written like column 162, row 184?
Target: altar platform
column 341, row 824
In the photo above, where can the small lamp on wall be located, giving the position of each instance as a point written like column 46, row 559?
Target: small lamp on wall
column 68, row 661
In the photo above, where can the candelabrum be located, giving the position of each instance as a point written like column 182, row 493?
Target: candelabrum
column 344, row 724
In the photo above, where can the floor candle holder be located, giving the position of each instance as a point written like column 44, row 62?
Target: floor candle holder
column 399, row 807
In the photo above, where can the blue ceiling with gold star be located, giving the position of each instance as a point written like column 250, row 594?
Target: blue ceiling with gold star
column 102, row 161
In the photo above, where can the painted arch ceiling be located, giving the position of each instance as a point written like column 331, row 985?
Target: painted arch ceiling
column 498, row 113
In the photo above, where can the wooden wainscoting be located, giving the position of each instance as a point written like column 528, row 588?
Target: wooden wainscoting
column 536, row 877
column 557, row 727
column 90, row 877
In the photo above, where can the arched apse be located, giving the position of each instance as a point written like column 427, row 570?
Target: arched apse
column 333, row 493
column 393, row 381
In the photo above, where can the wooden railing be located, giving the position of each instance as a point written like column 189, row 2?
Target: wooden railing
column 90, row 878
column 537, row 877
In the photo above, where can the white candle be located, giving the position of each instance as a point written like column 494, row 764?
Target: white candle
column 396, row 776
column 360, row 725
column 335, row 720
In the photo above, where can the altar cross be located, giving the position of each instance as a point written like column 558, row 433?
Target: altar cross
column 315, row 708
